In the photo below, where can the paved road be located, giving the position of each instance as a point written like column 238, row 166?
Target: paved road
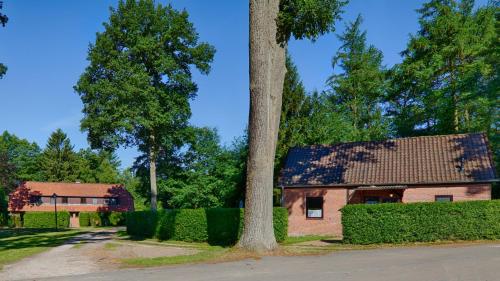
column 467, row 263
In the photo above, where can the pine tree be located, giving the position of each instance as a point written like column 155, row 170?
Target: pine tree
column 360, row 87
column 58, row 159
column 447, row 81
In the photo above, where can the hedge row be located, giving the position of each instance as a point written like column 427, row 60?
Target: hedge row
column 218, row 226
column 421, row 222
column 45, row 219
column 101, row 218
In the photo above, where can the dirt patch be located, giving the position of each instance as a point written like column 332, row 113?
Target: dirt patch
column 117, row 250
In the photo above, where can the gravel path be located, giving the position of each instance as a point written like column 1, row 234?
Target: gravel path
column 63, row 260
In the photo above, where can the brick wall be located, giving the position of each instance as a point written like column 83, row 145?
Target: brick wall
column 460, row 193
column 336, row 198
column 330, row 224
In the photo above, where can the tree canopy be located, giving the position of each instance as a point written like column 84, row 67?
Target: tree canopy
column 137, row 88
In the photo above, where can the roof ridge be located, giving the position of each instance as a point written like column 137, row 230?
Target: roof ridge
column 63, row 182
column 393, row 139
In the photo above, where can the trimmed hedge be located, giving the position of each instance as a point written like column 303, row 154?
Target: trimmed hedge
column 217, row 226
column 421, row 222
column 46, row 219
column 101, row 218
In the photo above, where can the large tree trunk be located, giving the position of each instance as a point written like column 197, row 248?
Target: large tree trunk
column 267, row 73
column 152, row 178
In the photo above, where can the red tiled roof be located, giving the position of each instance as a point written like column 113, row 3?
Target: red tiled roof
column 427, row 159
column 72, row 189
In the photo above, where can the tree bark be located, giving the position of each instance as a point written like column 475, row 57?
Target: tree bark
column 267, row 73
column 152, row 177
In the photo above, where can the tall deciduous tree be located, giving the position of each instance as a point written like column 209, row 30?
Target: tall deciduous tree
column 272, row 24
column 24, row 155
column 3, row 21
column 58, row 159
column 137, row 88
column 359, row 88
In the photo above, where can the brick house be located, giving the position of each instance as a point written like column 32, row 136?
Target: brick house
column 317, row 181
column 72, row 197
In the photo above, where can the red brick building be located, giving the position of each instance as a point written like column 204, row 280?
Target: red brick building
column 72, row 197
column 317, row 181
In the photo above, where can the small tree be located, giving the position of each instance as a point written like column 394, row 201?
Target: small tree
column 137, row 88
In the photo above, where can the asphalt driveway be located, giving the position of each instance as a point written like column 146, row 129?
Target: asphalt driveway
column 467, row 263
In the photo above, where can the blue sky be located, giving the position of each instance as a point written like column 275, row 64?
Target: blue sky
column 45, row 46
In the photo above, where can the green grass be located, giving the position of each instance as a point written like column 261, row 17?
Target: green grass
column 205, row 254
column 16, row 244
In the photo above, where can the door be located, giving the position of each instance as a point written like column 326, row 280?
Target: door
column 74, row 221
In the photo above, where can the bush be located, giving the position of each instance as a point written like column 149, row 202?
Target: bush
column 101, row 219
column 15, row 221
column 421, row 222
column 46, row 219
column 84, row 219
column 218, row 226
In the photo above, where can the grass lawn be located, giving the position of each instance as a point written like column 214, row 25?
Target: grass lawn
column 16, row 244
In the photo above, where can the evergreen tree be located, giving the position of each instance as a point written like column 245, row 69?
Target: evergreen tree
column 360, row 87
column 58, row 159
column 448, row 80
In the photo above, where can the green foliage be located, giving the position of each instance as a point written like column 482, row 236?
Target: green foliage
column 224, row 225
column 307, row 18
column 45, row 219
column 58, row 160
column 218, row 226
column 15, row 221
column 137, row 88
column 448, row 80
column 421, row 222
column 359, row 89
column 206, row 175
column 280, row 223
column 84, row 219
column 4, row 214
column 143, row 223
column 3, row 20
column 102, row 218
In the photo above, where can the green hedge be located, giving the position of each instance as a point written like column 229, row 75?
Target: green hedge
column 45, row 219
column 421, row 222
column 101, row 218
column 218, row 226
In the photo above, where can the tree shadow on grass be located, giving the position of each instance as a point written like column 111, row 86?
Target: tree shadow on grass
column 35, row 238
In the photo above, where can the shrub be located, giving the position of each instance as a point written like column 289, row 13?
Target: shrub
column 224, row 225
column 143, row 223
column 218, row 226
column 422, row 222
column 102, row 218
column 84, row 219
column 15, row 221
column 46, row 219
column 116, row 218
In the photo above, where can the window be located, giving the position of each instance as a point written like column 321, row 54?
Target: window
column 94, row 201
column 314, row 207
column 36, row 200
column 372, row 200
column 83, row 200
column 65, row 200
column 444, row 198
column 52, row 200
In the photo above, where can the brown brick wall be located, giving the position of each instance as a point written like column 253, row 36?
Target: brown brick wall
column 298, row 224
column 336, row 198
